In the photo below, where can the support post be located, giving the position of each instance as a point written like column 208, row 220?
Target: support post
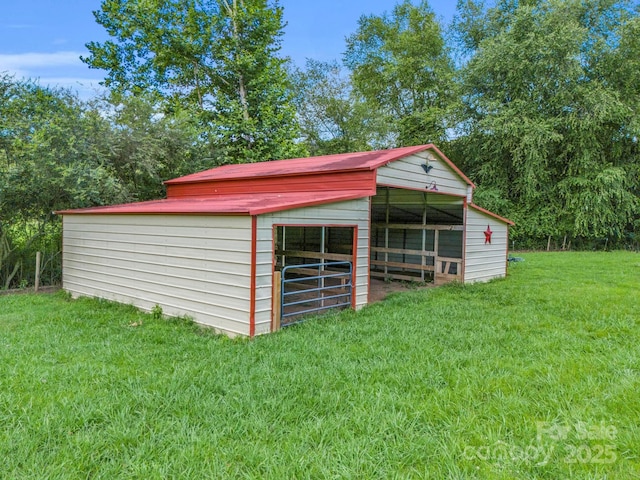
column 37, row 283
column 277, row 301
column 437, row 271
column 321, row 268
column 423, row 258
column 386, row 237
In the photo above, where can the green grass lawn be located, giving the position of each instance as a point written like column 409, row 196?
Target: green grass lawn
column 534, row 376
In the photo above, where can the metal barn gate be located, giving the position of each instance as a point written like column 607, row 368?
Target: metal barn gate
column 311, row 288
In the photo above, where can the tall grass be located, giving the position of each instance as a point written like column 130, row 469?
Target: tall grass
column 502, row 380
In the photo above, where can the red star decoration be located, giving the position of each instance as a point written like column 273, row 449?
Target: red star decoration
column 487, row 235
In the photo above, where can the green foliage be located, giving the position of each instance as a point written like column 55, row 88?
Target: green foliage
column 402, row 69
column 215, row 60
column 548, row 121
column 156, row 312
column 146, row 146
column 51, row 156
column 412, row 387
column 57, row 152
column 332, row 118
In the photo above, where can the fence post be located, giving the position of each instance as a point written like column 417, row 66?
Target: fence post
column 37, row 283
column 276, row 300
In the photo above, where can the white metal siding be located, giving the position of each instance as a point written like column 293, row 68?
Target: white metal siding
column 408, row 173
column 352, row 212
column 484, row 261
column 198, row 266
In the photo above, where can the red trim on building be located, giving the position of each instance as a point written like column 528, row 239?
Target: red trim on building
column 320, row 182
column 465, row 209
column 491, row 214
column 252, row 300
column 369, row 257
column 354, row 267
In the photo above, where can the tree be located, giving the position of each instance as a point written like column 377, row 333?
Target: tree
column 332, row 118
column 51, row 153
column 547, row 126
column 145, row 147
column 50, row 159
column 214, row 58
column 402, row 69
column 58, row 152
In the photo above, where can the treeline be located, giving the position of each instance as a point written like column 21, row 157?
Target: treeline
column 536, row 100
column 58, row 152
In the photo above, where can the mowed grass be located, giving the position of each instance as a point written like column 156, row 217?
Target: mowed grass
column 534, row 376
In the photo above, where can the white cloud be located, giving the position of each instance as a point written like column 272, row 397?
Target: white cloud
column 85, row 87
column 56, row 69
column 17, row 26
column 27, row 61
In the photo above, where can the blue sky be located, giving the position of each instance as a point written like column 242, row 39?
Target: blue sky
column 44, row 39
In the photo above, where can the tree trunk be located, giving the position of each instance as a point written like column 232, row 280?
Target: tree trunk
column 242, row 88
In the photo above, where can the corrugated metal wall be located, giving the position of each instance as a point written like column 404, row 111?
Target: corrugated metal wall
column 484, row 261
column 352, row 212
column 198, row 266
column 408, row 173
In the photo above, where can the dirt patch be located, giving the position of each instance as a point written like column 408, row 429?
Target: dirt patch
column 21, row 291
column 379, row 289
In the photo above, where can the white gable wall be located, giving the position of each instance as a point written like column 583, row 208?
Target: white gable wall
column 199, row 266
column 484, row 262
column 408, row 173
column 351, row 212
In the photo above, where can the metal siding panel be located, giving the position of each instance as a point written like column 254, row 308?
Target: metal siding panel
column 228, row 232
column 164, row 221
column 154, row 242
column 483, row 261
column 334, row 181
column 217, row 261
column 408, row 173
column 147, row 260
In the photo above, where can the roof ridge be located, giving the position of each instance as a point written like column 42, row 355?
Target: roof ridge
column 340, row 162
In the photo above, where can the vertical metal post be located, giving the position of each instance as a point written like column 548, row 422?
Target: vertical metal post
column 386, row 237
column 284, row 246
column 436, row 261
column 321, row 268
column 423, row 259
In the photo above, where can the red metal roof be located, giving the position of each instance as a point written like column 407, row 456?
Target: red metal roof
column 252, row 189
column 248, row 204
column 491, row 214
column 314, row 165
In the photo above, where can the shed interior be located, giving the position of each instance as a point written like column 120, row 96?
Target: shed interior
column 313, row 269
column 416, row 236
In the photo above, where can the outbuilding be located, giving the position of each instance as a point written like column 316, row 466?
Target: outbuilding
column 247, row 248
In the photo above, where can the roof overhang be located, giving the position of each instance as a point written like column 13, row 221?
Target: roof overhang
column 491, row 214
column 248, row 204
